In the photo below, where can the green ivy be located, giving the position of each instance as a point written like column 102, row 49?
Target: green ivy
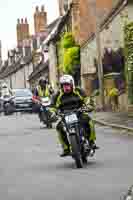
column 68, row 40
column 71, row 53
column 129, row 45
column 71, row 59
column 128, row 37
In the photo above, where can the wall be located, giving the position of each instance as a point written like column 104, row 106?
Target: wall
column 110, row 37
column 86, row 19
column 20, row 78
column 28, row 71
column 88, row 53
column 52, row 64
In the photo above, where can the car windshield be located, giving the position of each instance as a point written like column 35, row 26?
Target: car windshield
column 23, row 93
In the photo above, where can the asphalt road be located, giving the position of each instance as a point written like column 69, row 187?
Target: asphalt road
column 30, row 168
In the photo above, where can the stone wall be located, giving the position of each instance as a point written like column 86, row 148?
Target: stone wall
column 111, row 36
column 52, row 65
column 87, row 17
column 20, row 78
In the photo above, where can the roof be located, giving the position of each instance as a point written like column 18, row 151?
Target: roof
column 56, row 29
column 59, row 27
column 41, row 67
column 48, row 38
column 52, row 24
column 15, row 67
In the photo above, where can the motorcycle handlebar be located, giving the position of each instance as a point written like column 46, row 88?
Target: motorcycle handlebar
column 61, row 114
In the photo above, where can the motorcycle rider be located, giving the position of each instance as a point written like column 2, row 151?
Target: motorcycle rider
column 5, row 90
column 68, row 98
column 40, row 91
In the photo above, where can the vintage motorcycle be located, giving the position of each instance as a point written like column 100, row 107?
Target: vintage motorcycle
column 76, row 136
column 8, row 104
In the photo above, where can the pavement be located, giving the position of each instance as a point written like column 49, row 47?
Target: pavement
column 31, row 169
column 120, row 120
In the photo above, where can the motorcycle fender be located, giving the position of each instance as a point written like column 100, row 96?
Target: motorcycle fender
column 72, row 131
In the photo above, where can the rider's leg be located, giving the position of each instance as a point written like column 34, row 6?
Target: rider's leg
column 63, row 139
column 89, row 126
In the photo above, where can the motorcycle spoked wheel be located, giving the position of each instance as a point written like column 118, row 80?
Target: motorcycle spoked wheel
column 76, row 151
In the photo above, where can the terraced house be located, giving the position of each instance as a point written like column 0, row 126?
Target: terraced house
column 24, row 58
column 82, row 20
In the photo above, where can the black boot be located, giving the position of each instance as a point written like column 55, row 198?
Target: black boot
column 93, row 145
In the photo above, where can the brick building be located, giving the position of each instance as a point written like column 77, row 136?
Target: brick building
column 83, row 22
column 40, row 20
column 86, row 19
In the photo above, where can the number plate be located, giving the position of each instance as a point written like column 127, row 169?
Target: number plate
column 71, row 118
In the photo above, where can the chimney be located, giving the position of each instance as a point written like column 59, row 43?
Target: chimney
column 22, row 21
column 18, row 21
column 42, row 8
column 37, row 9
column 22, row 31
column 40, row 20
column 19, row 33
column 26, row 29
column 26, row 22
column 61, row 9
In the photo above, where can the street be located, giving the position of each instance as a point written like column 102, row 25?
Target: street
column 30, row 168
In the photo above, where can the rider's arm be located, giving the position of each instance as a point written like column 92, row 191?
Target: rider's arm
column 35, row 97
column 47, row 92
column 54, row 101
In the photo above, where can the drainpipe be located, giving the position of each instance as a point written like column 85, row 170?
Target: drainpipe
column 24, row 78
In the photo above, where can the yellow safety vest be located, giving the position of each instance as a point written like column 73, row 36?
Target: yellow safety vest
column 42, row 92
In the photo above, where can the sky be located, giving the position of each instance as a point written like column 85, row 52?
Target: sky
column 11, row 10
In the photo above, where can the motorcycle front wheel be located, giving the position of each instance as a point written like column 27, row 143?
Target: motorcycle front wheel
column 76, row 151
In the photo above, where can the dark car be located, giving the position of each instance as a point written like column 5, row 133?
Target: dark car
column 23, row 99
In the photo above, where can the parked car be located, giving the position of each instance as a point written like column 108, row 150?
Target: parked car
column 23, row 99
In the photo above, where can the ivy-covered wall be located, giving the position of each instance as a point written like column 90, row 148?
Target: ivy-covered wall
column 128, row 30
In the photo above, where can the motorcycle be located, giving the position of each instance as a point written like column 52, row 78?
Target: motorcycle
column 76, row 136
column 45, row 113
column 8, row 104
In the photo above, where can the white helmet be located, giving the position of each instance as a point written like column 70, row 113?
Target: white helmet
column 67, row 79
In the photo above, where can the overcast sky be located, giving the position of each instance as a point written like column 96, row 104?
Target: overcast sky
column 11, row 10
